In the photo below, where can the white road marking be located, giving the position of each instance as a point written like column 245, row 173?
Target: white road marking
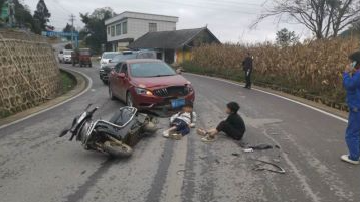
column 279, row 96
column 90, row 83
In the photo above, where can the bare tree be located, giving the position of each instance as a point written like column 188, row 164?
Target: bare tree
column 325, row 18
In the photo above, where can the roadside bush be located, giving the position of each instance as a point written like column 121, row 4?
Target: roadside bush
column 312, row 70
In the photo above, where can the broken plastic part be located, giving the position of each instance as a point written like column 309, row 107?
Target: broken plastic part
column 279, row 169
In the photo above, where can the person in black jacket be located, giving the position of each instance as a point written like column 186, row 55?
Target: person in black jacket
column 248, row 67
column 233, row 126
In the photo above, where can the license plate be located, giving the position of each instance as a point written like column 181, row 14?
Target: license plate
column 177, row 103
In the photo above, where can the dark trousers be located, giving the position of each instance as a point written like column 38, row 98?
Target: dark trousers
column 181, row 126
column 229, row 130
column 248, row 78
column 353, row 135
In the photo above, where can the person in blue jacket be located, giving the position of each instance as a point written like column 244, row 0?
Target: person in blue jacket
column 351, row 82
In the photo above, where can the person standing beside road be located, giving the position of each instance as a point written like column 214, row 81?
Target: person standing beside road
column 248, row 67
column 351, row 82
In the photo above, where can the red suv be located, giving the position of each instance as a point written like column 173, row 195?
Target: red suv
column 149, row 84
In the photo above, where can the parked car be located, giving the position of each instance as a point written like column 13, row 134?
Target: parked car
column 149, row 84
column 126, row 55
column 107, row 57
column 82, row 57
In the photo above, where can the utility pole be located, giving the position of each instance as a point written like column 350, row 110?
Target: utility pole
column 72, row 19
column 11, row 13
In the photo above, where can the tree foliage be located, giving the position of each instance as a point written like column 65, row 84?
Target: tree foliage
column 68, row 28
column 284, row 37
column 94, row 32
column 325, row 18
column 23, row 16
column 41, row 15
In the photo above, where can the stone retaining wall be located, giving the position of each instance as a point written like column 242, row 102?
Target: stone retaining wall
column 29, row 74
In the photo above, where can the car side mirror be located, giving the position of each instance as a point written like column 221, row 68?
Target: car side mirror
column 122, row 75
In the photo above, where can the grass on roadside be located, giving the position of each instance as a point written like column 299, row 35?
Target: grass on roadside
column 68, row 83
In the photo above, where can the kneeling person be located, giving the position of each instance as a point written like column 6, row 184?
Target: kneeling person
column 181, row 122
column 233, row 126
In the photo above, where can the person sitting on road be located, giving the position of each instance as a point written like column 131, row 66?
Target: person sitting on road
column 233, row 126
column 351, row 83
column 181, row 122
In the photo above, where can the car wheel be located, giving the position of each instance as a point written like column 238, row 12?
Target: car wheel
column 90, row 65
column 112, row 97
column 129, row 100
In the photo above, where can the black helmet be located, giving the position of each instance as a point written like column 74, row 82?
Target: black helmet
column 355, row 57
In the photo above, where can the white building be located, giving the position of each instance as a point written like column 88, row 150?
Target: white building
column 129, row 26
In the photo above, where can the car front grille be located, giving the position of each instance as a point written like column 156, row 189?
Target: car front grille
column 171, row 91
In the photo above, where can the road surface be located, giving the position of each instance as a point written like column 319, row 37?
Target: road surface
column 37, row 166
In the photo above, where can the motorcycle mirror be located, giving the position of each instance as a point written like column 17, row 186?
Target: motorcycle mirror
column 87, row 107
column 63, row 132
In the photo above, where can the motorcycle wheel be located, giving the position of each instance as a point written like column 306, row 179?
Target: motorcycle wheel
column 118, row 151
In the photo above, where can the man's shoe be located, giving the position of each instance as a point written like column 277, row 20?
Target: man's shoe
column 208, row 138
column 166, row 134
column 346, row 159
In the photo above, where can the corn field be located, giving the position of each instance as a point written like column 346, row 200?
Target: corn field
column 312, row 70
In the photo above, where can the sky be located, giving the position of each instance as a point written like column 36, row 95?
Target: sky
column 229, row 20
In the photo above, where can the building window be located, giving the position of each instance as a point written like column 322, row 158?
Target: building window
column 118, row 29
column 108, row 30
column 152, row 27
column 124, row 28
column 112, row 30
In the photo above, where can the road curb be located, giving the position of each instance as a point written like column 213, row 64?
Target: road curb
column 83, row 84
column 340, row 115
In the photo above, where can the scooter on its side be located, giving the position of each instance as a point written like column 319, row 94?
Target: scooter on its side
column 114, row 137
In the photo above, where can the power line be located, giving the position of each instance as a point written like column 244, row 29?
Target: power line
column 62, row 8
column 207, row 7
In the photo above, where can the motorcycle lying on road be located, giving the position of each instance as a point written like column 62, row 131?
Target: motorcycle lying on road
column 114, row 137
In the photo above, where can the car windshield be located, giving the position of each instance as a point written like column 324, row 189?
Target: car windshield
column 151, row 69
column 122, row 58
column 110, row 55
column 67, row 53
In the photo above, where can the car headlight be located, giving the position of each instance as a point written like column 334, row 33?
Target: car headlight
column 142, row 91
column 189, row 89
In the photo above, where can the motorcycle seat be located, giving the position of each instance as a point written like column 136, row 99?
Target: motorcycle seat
column 121, row 117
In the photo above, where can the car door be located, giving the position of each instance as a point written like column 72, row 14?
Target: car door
column 123, row 81
column 115, row 80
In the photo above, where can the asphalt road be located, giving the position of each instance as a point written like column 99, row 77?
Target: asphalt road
column 37, row 166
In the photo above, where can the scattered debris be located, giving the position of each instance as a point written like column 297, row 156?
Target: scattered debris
column 180, row 171
column 264, row 146
column 83, row 172
column 248, row 150
column 242, row 144
column 217, row 161
column 235, row 154
column 260, row 167
column 202, row 157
